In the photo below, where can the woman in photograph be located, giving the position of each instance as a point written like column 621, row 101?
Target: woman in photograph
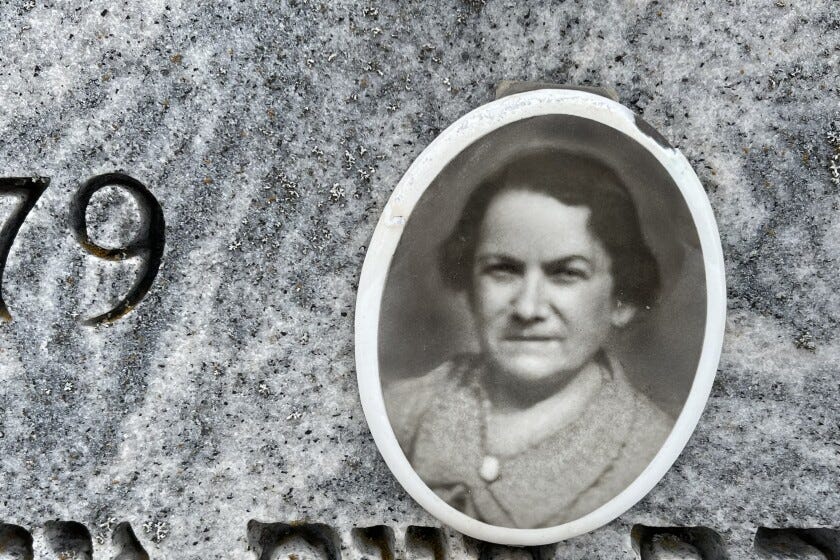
column 541, row 426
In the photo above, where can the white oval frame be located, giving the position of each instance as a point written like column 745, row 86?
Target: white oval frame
column 389, row 229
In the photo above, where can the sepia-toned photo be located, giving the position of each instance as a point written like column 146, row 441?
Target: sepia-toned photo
column 541, row 322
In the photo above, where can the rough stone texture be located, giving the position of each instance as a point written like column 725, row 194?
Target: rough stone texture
column 272, row 133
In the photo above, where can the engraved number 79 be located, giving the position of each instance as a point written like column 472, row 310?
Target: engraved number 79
column 147, row 244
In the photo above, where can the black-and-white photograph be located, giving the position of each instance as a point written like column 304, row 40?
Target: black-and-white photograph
column 541, row 321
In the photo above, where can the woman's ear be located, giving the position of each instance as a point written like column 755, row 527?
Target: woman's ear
column 623, row 313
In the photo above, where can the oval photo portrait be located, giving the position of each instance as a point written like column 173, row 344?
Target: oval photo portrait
column 543, row 322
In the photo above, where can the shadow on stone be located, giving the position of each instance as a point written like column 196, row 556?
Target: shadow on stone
column 127, row 545
column 489, row 551
column 266, row 538
column 683, row 543
column 425, row 542
column 15, row 543
column 799, row 544
column 377, row 540
column 69, row 538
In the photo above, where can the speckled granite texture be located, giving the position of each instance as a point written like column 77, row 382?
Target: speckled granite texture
column 272, row 133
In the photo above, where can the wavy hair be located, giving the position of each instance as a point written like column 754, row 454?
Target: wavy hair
column 575, row 180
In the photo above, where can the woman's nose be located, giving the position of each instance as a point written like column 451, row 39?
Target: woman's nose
column 530, row 303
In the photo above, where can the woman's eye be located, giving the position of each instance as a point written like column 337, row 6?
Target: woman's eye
column 568, row 275
column 501, row 271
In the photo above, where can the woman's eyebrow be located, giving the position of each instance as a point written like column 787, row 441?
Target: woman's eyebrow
column 497, row 257
column 565, row 261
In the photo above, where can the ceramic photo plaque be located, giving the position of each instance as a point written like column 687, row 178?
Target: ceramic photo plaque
column 539, row 317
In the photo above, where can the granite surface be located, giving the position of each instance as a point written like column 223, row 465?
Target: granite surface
column 272, row 133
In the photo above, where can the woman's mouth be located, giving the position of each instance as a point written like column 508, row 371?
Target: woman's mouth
column 532, row 338
column 531, row 344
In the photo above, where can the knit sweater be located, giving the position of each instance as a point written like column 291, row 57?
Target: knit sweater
column 439, row 423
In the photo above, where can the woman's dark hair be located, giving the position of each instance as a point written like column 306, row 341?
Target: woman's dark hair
column 575, row 180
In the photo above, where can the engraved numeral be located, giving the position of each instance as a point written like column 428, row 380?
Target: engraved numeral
column 147, row 244
column 29, row 189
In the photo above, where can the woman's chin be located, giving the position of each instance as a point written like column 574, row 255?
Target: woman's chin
column 532, row 369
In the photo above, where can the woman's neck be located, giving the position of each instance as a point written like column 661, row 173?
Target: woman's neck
column 507, row 393
column 514, row 428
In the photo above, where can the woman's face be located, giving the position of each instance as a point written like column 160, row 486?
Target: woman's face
column 542, row 287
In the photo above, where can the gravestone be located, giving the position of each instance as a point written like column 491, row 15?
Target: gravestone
column 219, row 417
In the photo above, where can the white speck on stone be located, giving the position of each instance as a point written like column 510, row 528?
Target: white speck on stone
column 336, row 192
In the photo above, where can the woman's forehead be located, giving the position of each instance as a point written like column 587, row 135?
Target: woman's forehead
column 530, row 225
